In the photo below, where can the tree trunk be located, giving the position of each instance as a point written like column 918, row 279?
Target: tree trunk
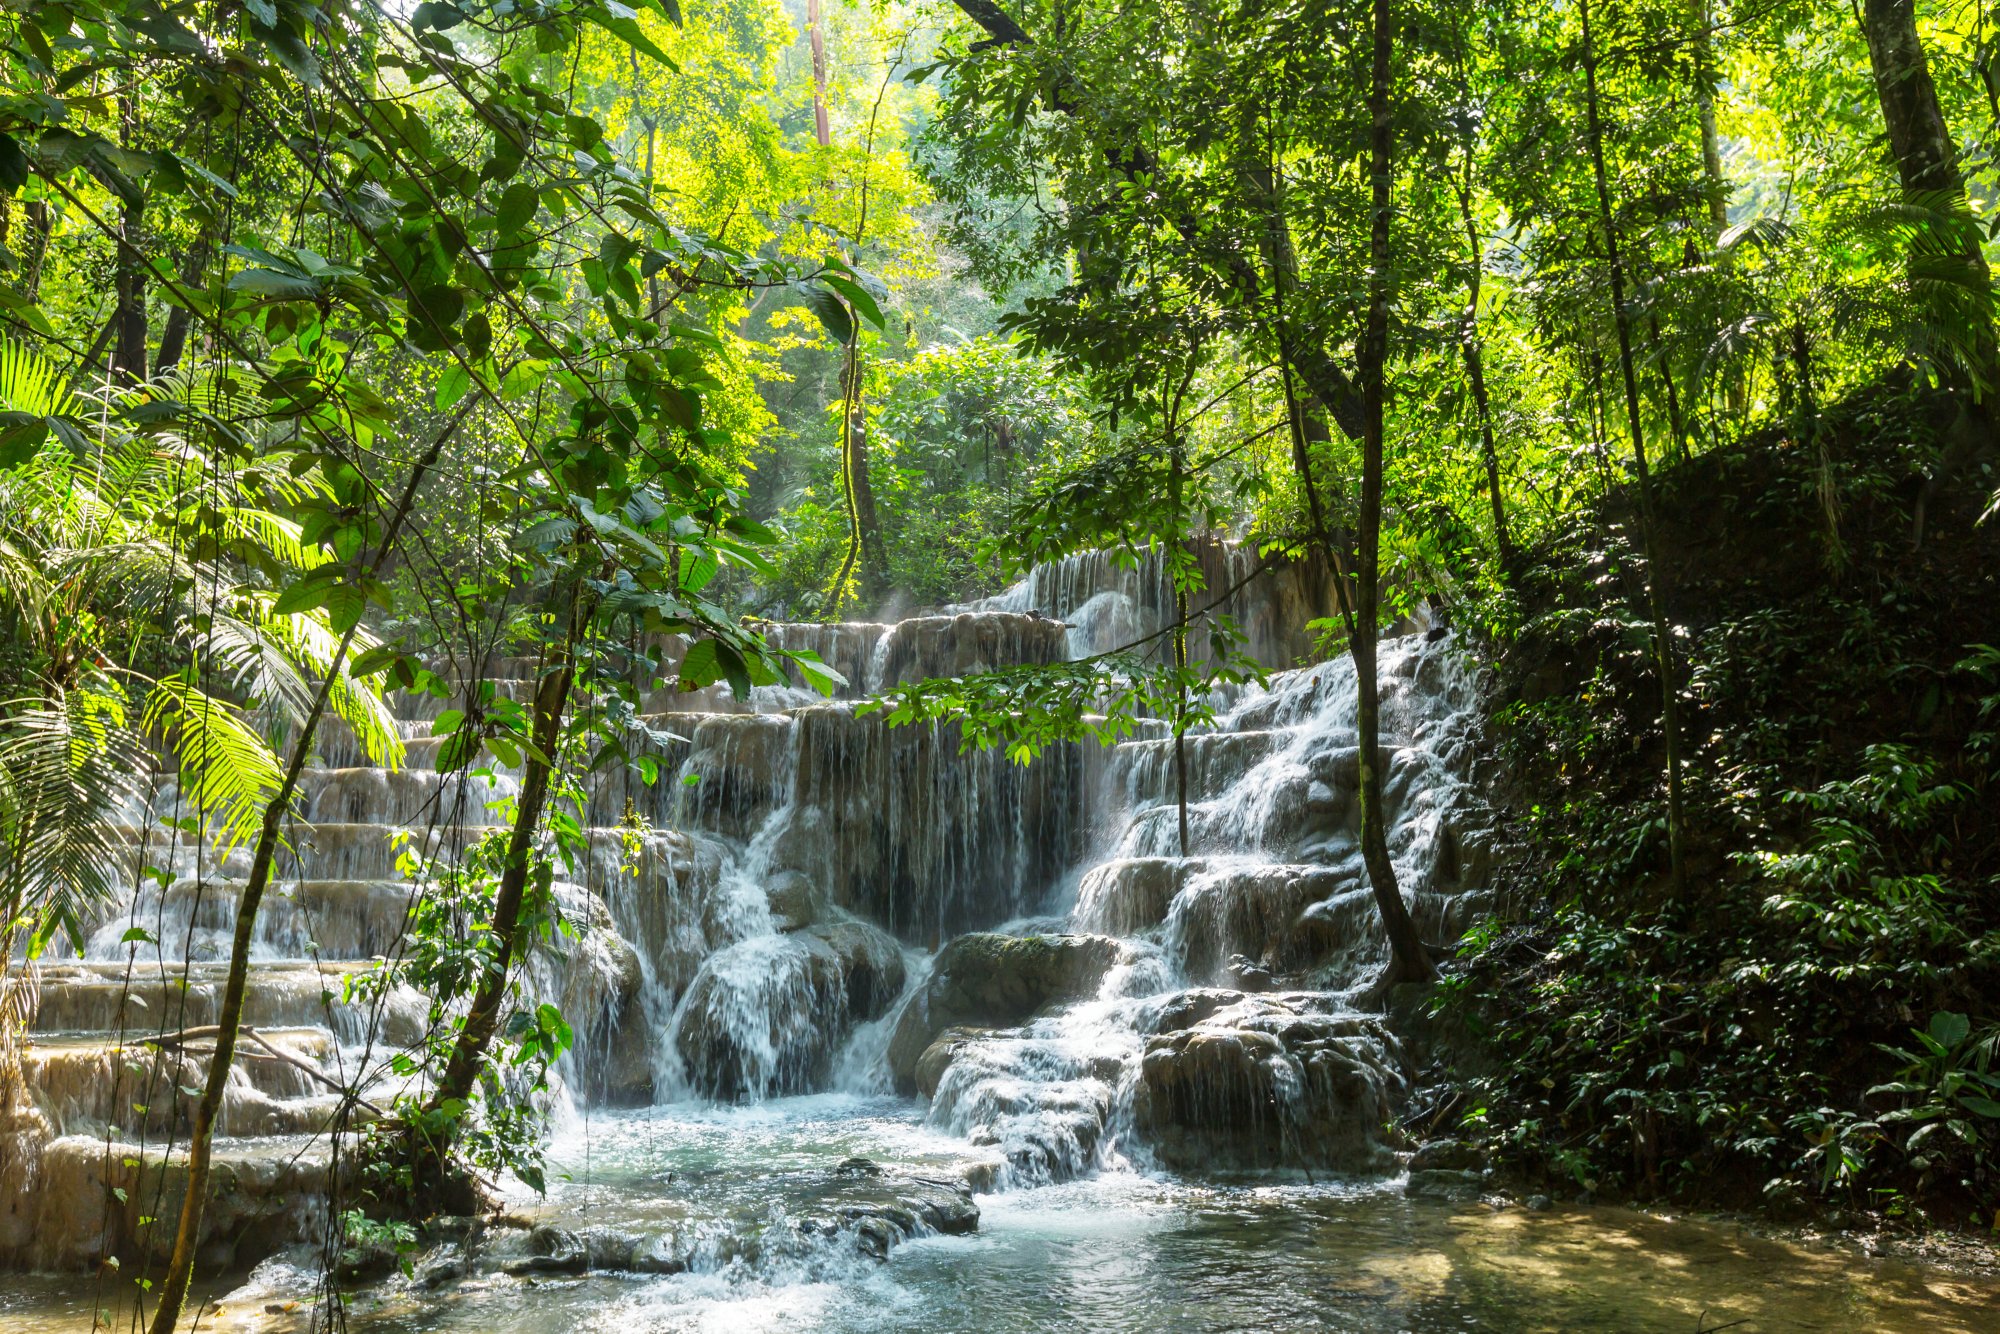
column 1656, row 575
column 37, row 249
column 1926, row 157
column 482, row 1020
column 1711, row 140
column 816, row 33
column 1474, row 353
column 1927, row 163
column 173, row 340
column 1410, row 960
column 128, row 357
column 201, row 1146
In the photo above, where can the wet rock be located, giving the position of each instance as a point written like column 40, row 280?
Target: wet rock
column 1444, row 1184
column 550, row 1250
column 795, row 901
column 1252, row 913
column 359, row 1264
column 1131, row 894
column 871, row 963
column 1538, row 1204
column 447, row 1264
column 575, row 1262
column 1269, row 1082
column 765, row 1016
column 1451, row 1155
column 985, row 980
column 937, row 1057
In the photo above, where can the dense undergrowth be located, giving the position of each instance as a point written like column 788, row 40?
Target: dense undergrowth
column 1816, row 1019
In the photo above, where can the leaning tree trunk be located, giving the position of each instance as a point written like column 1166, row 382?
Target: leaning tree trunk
column 429, row 1154
column 1410, row 960
column 1656, row 575
column 201, row 1142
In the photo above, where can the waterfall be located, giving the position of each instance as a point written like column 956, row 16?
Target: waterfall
column 809, row 899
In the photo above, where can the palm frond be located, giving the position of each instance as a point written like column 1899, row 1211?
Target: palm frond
column 70, row 766
column 281, row 659
column 228, row 773
column 30, row 383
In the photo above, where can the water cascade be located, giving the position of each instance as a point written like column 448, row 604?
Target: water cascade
column 817, row 904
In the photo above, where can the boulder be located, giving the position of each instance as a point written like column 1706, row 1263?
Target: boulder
column 796, row 902
column 937, row 1057
column 871, row 963
column 765, row 1016
column 986, row 980
column 1268, row 1082
column 1451, row 1155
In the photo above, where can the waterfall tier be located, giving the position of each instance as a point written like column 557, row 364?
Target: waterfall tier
column 809, row 898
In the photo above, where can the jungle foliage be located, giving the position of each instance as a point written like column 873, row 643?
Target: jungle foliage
column 353, row 348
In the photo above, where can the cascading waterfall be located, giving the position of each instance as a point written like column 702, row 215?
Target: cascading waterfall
column 809, row 899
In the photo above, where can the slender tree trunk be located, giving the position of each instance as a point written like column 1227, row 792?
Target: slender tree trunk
column 1656, row 574
column 1927, row 163
column 36, row 251
column 173, row 339
column 1674, row 419
column 1410, row 960
column 128, row 357
column 1180, row 715
column 482, row 1019
column 1704, row 102
column 201, row 1142
column 816, row 34
column 1474, row 352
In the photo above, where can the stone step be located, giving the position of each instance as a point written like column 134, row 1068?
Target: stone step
column 91, row 1085
column 85, row 1199
column 97, row 996
column 298, row 919
column 1143, row 769
column 399, row 797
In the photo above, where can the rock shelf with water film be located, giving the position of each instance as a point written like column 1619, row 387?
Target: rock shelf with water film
column 813, row 904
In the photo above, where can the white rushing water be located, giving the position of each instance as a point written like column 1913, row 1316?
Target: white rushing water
column 1010, row 973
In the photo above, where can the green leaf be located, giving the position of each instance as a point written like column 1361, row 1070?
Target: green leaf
column 310, row 591
column 452, row 386
column 818, row 675
column 378, row 659
column 517, row 207
column 1949, row 1028
column 831, row 312
column 13, row 165
column 21, row 437
column 857, row 296
column 623, row 23
column 275, row 285
column 441, row 305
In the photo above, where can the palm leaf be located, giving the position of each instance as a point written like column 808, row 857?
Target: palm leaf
column 228, row 773
column 69, row 767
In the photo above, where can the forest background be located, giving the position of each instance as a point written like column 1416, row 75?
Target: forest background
column 1651, row 341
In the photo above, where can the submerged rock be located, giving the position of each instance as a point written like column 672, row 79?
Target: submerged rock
column 1442, row 1183
column 986, row 980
